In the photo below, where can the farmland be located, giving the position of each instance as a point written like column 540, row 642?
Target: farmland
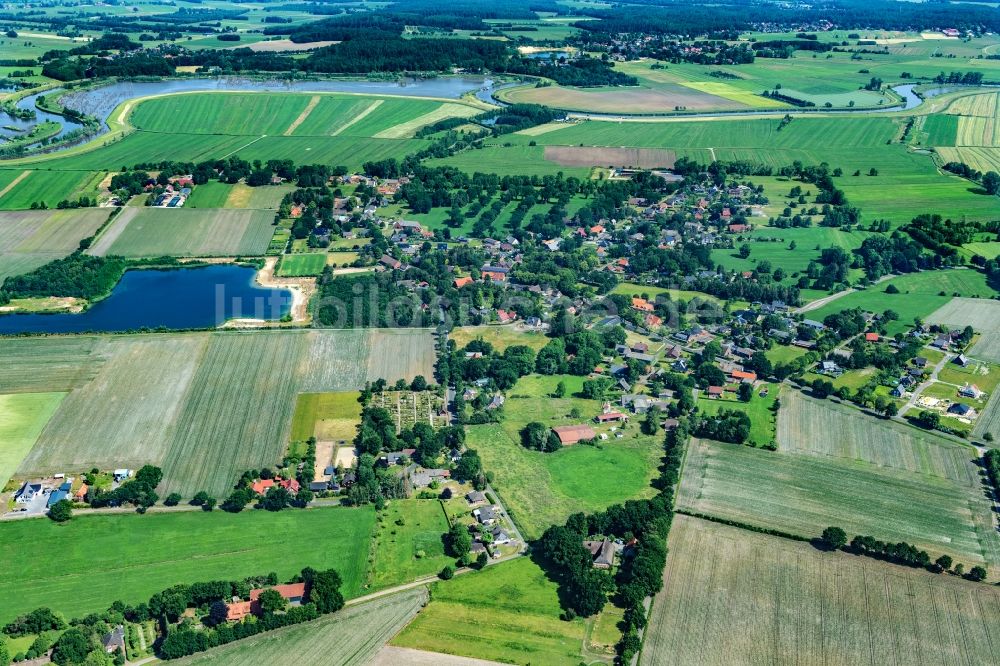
column 982, row 315
column 508, row 612
column 22, row 417
column 162, row 398
column 732, row 596
column 354, row 635
column 48, row 187
column 29, row 239
column 183, row 232
column 540, row 489
column 803, row 494
column 97, row 566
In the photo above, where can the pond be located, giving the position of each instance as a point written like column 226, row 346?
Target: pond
column 173, row 299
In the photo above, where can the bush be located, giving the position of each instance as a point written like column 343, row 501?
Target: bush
column 447, row 573
column 173, row 499
column 61, row 511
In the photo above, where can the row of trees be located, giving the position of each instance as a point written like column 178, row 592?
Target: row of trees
column 834, row 538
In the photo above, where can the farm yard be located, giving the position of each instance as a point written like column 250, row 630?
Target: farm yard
column 804, row 494
column 161, row 398
column 182, row 232
column 733, row 596
column 508, row 612
column 97, row 566
column 355, row 635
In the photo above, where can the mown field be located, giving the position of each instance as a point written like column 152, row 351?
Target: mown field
column 19, row 187
column 327, row 416
column 508, row 612
column 184, row 232
column 541, row 489
column 22, row 417
column 302, row 265
column 29, row 239
column 982, row 315
column 803, row 494
column 128, row 557
column 203, row 406
column 214, row 194
column 350, row 637
column 736, row 597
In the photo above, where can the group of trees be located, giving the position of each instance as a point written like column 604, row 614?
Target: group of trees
column 139, row 491
column 729, row 425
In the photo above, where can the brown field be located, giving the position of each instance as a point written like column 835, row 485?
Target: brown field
column 279, row 45
column 736, row 597
column 665, row 99
column 579, row 156
column 982, row 315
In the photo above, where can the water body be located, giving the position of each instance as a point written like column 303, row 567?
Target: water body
column 173, row 299
column 23, row 126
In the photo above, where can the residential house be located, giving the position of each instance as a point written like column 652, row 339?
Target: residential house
column 463, row 281
column 961, row 360
column 602, row 552
column 641, row 304
column 390, row 262
column 487, row 515
column 114, row 641
column 715, row 392
column 28, row 492
column 963, row 411
column 970, row 391
column 424, row 478
column 475, row 497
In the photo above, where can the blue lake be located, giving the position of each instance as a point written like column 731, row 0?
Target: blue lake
column 174, row 299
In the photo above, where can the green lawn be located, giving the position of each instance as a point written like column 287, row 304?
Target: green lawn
column 128, row 557
column 541, row 489
column 409, row 538
column 760, row 410
column 336, row 415
column 302, row 265
column 212, row 194
column 22, row 417
column 508, row 612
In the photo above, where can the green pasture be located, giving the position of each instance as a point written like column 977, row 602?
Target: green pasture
column 22, row 417
column 302, row 265
column 409, row 542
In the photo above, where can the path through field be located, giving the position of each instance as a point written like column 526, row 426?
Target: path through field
column 313, row 101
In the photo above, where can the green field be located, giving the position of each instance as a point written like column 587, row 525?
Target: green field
column 500, row 337
column 204, row 232
column 48, row 187
column 203, row 406
column 541, row 489
column 22, row 417
column 409, row 542
column 803, row 494
column 327, row 416
column 763, row 599
column 29, row 239
column 129, row 557
column 302, row 265
column 761, row 411
column 508, row 612
column 352, row 636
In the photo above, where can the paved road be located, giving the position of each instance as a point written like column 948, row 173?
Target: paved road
column 912, row 402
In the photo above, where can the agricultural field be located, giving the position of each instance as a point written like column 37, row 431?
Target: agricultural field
column 803, row 494
column 982, row 315
column 97, row 566
column 215, row 194
column 541, row 489
column 302, row 265
column 762, row 411
column 19, row 188
column 508, row 612
column 409, row 542
column 182, row 232
column 163, row 398
column 500, row 337
column 354, row 635
column 762, row 599
column 22, row 417
column 326, row 416
column 29, row 239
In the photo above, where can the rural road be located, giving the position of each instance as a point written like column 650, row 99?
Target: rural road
column 920, row 389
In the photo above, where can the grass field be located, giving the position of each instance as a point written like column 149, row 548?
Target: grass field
column 982, row 315
column 129, row 557
column 302, row 265
column 203, row 232
column 350, row 637
column 761, row 411
column 29, row 239
column 736, row 597
column 541, row 489
column 22, row 417
column 49, row 187
column 500, row 337
column 803, row 494
column 327, row 416
column 508, row 612
column 204, row 406
column 409, row 541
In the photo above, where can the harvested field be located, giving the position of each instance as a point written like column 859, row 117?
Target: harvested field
column 350, row 637
column 665, row 98
column 408, row 128
column 401, row 354
column 22, row 417
column 640, row 158
column 187, row 232
column 282, row 45
column 29, row 239
column 978, row 157
column 803, row 494
column 737, row 597
column 39, row 365
column 981, row 314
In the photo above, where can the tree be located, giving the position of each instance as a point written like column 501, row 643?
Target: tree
column 459, row 542
column 71, row 648
column 209, row 504
column 745, row 392
column 651, row 424
column 271, row 602
column 833, row 538
column 943, row 563
column 482, row 559
column 537, row 437
column 596, row 388
column 927, row 419
column 199, row 498
column 744, row 251
column 218, row 612
column 418, row 383
column 277, row 498
column 560, row 390
column 61, row 511
column 4, row 653
column 37, row 621
column 447, row 573
column 173, row 499
column 325, row 591
column 977, row 574
column 991, row 182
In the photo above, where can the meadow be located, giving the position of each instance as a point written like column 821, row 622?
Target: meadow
column 761, row 411
column 352, row 636
column 28, row 186
column 302, row 265
column 804, row 494
column 22, row 417
column 97, row 565
column 409, row 542
column 182, row 400
column 183, row 232
column 29, row 239
column 500, row 337
column 541, row 489
column 732, row 596
column 507, row 612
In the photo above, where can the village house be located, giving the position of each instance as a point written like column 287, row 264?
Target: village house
column 571, row 434
column 487, row 515
column 261, row 486
column 293, row 593
column 602, row 552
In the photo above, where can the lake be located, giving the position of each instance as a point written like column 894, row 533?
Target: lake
column 202, row 297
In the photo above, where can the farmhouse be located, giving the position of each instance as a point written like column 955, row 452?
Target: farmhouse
column 602, row 552
column 569, row 435
column 261, row 486
column 28, row 492
column 114, row 641
column 293, row 593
